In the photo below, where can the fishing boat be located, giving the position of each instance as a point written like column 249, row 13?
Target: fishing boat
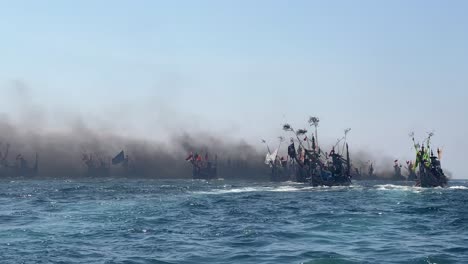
column 203, row 168
column 362, row 174
column 22, row 168
column 280, row 168
column 96, row 166
column 397, row 175
column 19, row 168
column 332, row 170
column 411, row 171
column 430, row 173
column 315, row 167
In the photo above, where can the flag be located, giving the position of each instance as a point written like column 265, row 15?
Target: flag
column 270, row 158
column 119, row 158
column 305, row 139
column 190, row 157
column 292, row 151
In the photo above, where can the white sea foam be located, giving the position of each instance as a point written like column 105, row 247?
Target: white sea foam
column 458, row 187
column 392, row 187
column 281, row 188
column 256, row 189
column 286, row 189
column 233, row 190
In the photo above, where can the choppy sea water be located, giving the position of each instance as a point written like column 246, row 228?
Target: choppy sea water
column 184, row 221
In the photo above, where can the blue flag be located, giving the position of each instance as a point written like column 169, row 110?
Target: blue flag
column 119, row 158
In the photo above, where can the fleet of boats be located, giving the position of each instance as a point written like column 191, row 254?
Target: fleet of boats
column 20, row 167
column 304, row 160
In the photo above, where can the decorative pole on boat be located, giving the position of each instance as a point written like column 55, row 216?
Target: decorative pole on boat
column 345, row 134
column 428, row 140
column 314, row 121
column 439, row 153
column 348, row 162
column 268, row 148
column 281, row 140
column 288, row 127
column 302, row 132
column 337, row 145
column 416, row 145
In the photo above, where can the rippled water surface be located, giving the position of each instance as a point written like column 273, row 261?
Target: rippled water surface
column 183, row 221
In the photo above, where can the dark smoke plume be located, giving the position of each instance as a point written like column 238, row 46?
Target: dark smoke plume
column 60, row 153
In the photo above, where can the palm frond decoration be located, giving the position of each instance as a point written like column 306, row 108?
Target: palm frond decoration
column 301, row 132
column 347, row 131
column 314, row 121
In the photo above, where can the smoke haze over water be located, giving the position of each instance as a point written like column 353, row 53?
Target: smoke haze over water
column 60, row 153
column 30, row 128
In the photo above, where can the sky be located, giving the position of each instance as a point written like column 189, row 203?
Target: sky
column 243, row 68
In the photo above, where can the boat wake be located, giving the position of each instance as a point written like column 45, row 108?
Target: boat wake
column 392, row 187
column 252, row 189
column 458, row 187
column 282, row 188
column 300, row 187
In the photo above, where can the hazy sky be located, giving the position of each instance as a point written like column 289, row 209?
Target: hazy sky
column 383, row 68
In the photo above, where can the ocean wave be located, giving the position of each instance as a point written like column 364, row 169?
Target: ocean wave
column 258, row 223
column 283, row 188
column 255, row 189
column 233, row 190
column 458, row 187
column 392, row 187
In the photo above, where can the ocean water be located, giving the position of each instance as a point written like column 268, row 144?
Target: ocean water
column 185, row 221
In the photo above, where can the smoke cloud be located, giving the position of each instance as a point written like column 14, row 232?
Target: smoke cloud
column 60, row 153
column 60, row 147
